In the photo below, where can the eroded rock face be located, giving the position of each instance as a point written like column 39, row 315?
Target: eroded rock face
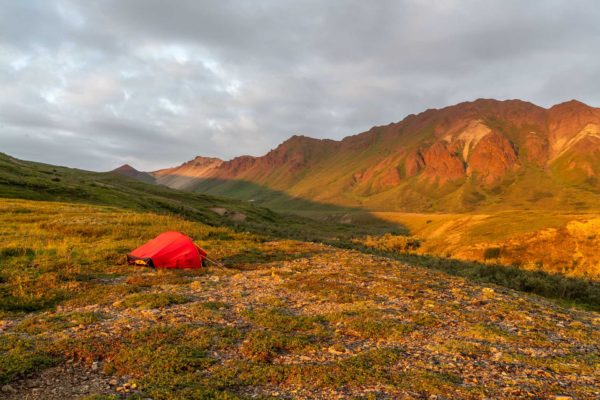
column 466, row 140
column 441, row 164
column 536, row 148
column 568, row 122
column 381, row 176
column 475, row 150
column 581, row 162
column 492, row 157
column 414, row 163
column 236, row 166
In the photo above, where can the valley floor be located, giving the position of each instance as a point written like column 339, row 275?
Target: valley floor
column 285, row 319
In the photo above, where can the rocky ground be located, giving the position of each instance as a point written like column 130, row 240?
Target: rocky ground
column 330, row 324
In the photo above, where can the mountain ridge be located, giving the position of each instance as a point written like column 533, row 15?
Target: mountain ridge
column 466, row 156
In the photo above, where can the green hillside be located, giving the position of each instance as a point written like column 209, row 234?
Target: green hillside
column 37, row 181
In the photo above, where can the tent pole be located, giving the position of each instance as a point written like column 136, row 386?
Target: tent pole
column 214, row 262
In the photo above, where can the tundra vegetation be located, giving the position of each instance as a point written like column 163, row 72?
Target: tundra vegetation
column 303, row 308
column 283, row 318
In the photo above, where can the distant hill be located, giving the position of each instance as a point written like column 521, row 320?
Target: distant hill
column 480, row 155
column 128, row 170
column 185, row 176
column 36, row 181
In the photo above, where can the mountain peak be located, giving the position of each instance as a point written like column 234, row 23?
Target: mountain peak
column 494, row 104
column 129, row 171
column 196, row 162
column 201, row 160
column 299, row 139
column 187, row 173
column 571, row 105
column 125, row 168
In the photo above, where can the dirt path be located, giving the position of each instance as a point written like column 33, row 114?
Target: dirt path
column 66, row 381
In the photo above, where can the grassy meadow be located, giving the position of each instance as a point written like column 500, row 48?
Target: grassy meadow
column 283, row 319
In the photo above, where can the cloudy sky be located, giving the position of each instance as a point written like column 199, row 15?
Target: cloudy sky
column 154, row 83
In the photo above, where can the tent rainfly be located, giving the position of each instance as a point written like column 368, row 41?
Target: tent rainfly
column 168, row 250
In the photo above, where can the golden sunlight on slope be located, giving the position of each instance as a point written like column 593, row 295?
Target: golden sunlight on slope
column 552, row 242
column 187, row 174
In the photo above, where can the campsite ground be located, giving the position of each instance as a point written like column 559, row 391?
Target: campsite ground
column 284, row 319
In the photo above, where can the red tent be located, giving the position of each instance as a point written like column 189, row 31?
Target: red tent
column 168, row 250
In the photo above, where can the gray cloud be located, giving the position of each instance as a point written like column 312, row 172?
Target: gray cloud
column 154, row 83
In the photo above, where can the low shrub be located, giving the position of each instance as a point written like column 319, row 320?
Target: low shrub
column 20, row 356
column 393, row 243
column 8, row 252
column 491, row 253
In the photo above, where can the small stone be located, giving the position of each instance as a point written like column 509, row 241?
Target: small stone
column 95, row 366
column 113, row 382
column 8, row 389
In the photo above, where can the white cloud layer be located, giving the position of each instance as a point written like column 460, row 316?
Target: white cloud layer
column 154, row 83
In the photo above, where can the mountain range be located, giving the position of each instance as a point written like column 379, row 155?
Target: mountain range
column 480, row 155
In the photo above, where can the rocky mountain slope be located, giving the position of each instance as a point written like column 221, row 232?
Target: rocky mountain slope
column 485, row 154
column 185, row 175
